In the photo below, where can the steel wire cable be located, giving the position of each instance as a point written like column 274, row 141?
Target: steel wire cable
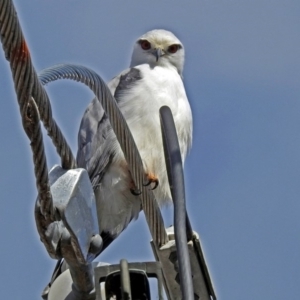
column 26, row 80
column 44, row 213
column 34, row 105
column 27, row 87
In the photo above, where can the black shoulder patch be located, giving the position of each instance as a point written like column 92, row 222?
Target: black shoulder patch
column 127, row 81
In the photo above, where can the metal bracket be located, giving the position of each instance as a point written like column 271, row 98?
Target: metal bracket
column 75, row 233
column 167, row 256
column 77, row 222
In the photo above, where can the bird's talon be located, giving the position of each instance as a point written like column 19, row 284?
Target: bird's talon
column 152, row 179
column 156, row 183
column 148, row 183
column 135, row 192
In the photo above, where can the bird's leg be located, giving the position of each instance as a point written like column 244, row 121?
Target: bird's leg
column 152, row 179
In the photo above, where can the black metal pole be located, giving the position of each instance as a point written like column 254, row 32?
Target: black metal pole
column 176, row 182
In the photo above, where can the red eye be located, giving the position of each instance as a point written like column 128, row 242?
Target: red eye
column 145, row 44
column 173, row 48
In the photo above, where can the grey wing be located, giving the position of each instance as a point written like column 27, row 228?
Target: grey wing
column 97, row 143
column 96, row 140
column 124, row 82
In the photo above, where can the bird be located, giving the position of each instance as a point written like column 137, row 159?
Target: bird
column 154, row 79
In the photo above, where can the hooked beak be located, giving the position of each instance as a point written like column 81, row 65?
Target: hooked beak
column 158, row 53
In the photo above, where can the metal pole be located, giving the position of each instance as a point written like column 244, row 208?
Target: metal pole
column 125, row 280
column 176, row 182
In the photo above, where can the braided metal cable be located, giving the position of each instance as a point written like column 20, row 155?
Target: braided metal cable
column 121, row 129
column 44, row 213
column 34, row 133
column 26, row 80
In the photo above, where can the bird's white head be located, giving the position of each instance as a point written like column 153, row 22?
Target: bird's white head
column 158, row 48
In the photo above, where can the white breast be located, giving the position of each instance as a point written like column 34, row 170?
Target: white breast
column 140, row 106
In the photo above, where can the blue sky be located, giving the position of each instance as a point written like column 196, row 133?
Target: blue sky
column 242, row 76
